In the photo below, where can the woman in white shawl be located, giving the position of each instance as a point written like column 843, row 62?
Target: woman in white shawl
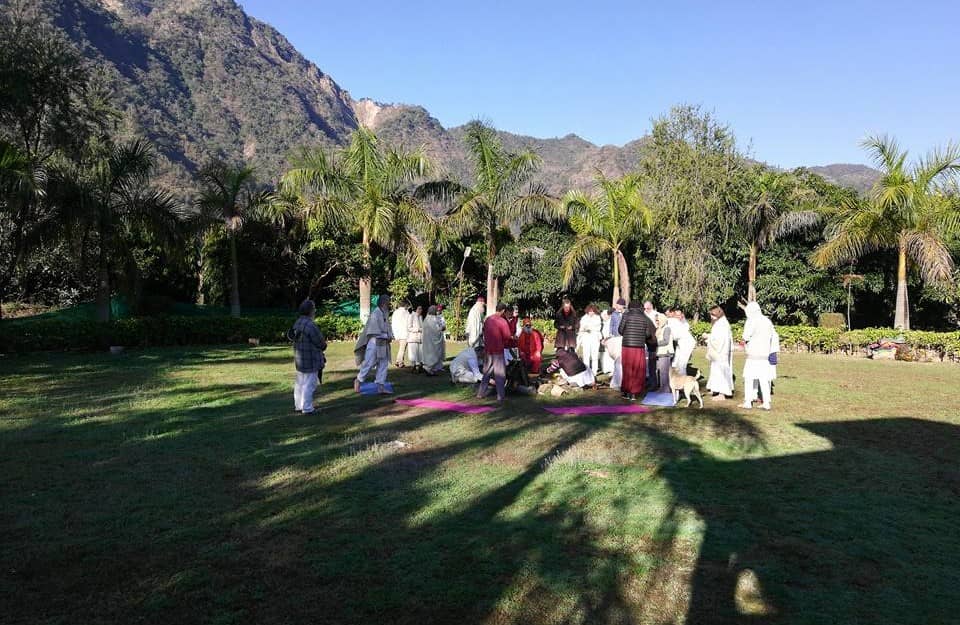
column 415, row 340
column 758, row 334
column 591, row 328
column 720, row 355
column 680, row 330
column 433, row 345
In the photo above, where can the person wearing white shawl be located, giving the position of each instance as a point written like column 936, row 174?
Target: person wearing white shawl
column 758, row 334
column 415, row 339
column 398, row 323
column 680, row 331
column 433, row 345
column 475, row 319
column 720, row 355
column 591, row 327
column 372, row 348
column 465, row 368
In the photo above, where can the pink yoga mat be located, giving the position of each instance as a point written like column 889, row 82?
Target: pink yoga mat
column 445, row 405
column 614, row 409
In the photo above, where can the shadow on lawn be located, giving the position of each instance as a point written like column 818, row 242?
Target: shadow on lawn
column 245, row 513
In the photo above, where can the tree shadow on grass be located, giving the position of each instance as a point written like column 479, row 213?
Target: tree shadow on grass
column 864, row 532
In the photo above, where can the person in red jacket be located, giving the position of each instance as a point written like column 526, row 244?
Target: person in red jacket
column 531, row 347
column 496, row 338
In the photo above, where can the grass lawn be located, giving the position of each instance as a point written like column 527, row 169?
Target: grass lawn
column 177, row 486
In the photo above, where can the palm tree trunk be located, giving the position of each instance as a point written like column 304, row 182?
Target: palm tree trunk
column 365, row 280
column 901, row 318
column 616, row 278
column 624, row 277
column 201, row 298
column 492, row 282
column 103, row 285
column 234, row 277
column 752, row 274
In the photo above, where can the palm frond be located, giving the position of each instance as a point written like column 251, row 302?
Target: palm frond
column 927, row 250
column 584, row 250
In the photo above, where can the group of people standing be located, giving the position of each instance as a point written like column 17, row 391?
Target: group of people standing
column 639, row 345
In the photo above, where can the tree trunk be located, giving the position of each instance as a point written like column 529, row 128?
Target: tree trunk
column 492, row 282
column 616, row 278
column 752, row 274
column 624, row 277
column 201, row 298
column 103, row 284
column 901, row 319
column 365, row 281
column 234, row 277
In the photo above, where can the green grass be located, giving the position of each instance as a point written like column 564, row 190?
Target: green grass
column 177, row 486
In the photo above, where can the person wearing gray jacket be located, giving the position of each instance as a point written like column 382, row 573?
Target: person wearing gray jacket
column 308, row 356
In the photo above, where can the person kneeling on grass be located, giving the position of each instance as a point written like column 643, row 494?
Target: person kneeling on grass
column 308, row 356
column 572, row 369
column 465, row 368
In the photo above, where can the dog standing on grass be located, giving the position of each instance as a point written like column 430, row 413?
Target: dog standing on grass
column 689, row 384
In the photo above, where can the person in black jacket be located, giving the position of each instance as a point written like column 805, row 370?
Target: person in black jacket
column 639, row 335
column 567, row 324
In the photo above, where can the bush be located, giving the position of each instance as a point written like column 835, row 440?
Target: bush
column 46, row 334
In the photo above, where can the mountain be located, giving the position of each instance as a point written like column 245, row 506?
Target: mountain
column 859, row 177
column 202, row 79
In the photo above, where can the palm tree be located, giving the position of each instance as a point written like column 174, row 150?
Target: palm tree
column 496, row 203
column 229, row 194
column 22, row 185
column 604, row 224
column 777, row 205
column 368, row 190
column 908, row 210
column 108, row 192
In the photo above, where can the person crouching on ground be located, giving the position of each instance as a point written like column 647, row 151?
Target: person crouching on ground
column 465, row 368
column 530, row 344
column 372, row 348
column 572, row 369
column 496, row 338
column 638, row 336
column 308, row 356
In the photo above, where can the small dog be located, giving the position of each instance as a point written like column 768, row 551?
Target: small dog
column 689, row 384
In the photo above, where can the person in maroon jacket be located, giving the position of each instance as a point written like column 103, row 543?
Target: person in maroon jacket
column 496, row 338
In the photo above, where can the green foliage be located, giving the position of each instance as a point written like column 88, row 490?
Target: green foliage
column 52, row 334
column 832, row 320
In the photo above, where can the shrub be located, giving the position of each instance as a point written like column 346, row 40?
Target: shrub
column 46, row 334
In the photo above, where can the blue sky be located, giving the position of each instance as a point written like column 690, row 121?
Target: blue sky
column 800, row 83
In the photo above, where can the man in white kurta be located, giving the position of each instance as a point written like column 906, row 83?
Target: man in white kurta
column 680, row 331
column 758, row 335
column 591, row 328
column 720, row 355
column 372, row 349
column 398, row 323
column 475, row 322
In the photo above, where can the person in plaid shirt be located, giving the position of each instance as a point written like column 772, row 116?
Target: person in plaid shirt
column 308, row 356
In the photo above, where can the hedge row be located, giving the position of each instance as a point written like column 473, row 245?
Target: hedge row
column 25, row 335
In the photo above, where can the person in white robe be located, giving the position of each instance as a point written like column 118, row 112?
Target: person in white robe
column 398, row 323
column 415, row 339
column 433, row 344
column 606, row 361
column 474, row 329
column 680, row 331
column 720, row 355
column 758, row 333
column 372, row 349
column 465, row 368
column 589, row 337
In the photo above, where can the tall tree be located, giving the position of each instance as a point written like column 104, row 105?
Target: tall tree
column 369, row 190
column 108, row 192
column 499, row 200
column 229, row 193
column 776, row 204
column 908, row 210
column 605, row 223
